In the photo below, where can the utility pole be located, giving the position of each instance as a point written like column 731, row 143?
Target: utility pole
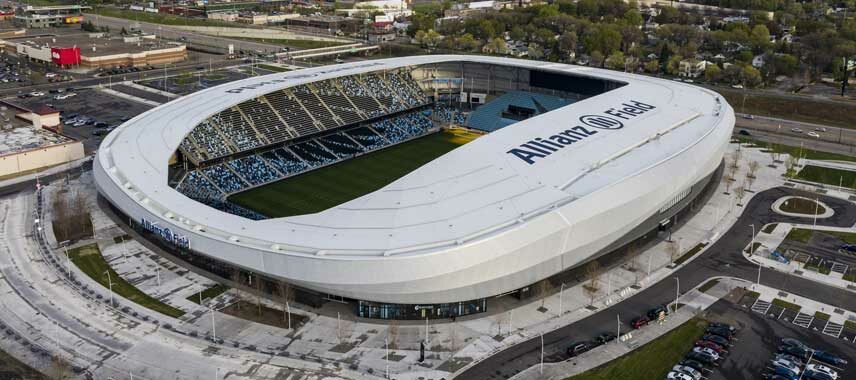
column 677, row 292
column 110, row 284
column 618, row 323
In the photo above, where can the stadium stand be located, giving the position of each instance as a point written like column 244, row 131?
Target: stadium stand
column 367, row 138
column 494, row 115
column 253, row 169
column 341, row 145
column 224, row 179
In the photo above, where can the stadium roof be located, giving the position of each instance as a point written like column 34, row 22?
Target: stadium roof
column 477, row 190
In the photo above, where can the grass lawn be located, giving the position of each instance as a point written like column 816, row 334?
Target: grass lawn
column 323, row 188
column 300, row 44
column 158, row 18
column 690, row 253
column 847, row 237
column 769, row 228
column 851, row 276
column 818, row 269
column 787, row 107
column 786, row 304
column 799, row 234
column 653, row 360
column 273, row 68
column 828, row 176
column 209, row 293
column 819, row 315
column 88, row 258
column 850, row 324
column 808, row 153
column 704, row 288
column 802, row 206
column 752, row 294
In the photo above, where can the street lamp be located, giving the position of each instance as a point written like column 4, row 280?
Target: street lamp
column 677, row 292
column 542, row 354
column 561, row 292
column 752, row 242
column 110, row 285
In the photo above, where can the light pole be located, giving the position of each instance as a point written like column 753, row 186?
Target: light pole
column 213, row 325
column 618, row 330
column 752, row 242
column 809, row 361
column 542, row 353
column 816, row 207
column 758, row 282
column 561, row 292
column 677, row 292
column 110, row 285
column 67, row 264
column 386, row 345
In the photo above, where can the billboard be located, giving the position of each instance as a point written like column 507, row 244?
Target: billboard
column 65, row 56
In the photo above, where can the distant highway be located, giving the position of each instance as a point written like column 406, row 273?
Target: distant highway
column 790, row 132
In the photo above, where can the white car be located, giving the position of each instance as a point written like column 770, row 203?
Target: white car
column 694, row 373
column 705, row 350
column 780, row 362
column 678, row 376
column 822, row 368
column 737, row 86
column 820, row 129
column 796, row 130
column 813, row 134
column 37, row 93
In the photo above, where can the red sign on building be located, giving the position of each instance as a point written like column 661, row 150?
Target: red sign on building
column 65, row 56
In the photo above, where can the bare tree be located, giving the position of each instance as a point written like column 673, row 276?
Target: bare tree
column 236, row 278
column 673, row 250
column 259, row 294
column 544, row 289
column 392, row 333
column 286, row 296
column 790, row 166
column 726, row 178
column 753, row 168
column 749, row 182
column 593, row 273
column 501, row 319
column 774, row 155
column 60, row 368
column 740, row 192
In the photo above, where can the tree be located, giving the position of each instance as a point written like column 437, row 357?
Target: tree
column 753, row 168
column 760, row 38
column 568, row 42
column 653, row 66
column 597, row 59
column 749, row 182
column 392, row 334
column 593, row 273
column 633, row 18
column 60, row 368
column 790, row 166
column 673, row 67
column 496, row 46
column 673, row 250
column 544, row 289
column 615, row 61
column 535, row 51
column 712, row 73
column 740, row 192
column 604, row 38
column 467, row 42
column 726, row 179
column 286, row 296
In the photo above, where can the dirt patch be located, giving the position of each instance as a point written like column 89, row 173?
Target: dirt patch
column 267, row 316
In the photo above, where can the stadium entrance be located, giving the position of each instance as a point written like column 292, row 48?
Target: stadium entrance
column 366, row 309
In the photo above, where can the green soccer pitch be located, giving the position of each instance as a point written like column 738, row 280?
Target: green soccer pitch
column 333, row 185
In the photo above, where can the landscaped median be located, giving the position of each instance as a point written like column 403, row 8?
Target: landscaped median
column 653, row 360
column 88, row 258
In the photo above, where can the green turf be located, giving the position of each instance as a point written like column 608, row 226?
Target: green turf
column 786, row 304
column 88, row 258
column 323, row 188
column 209, row 293
column 839, row 114
column 653, row 360
column 828, row 176
column 799, row 234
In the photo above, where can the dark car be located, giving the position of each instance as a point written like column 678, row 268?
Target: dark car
column 716, row 339
column 794, row 342
column 849, row 248
column 743, row 132
column 578, row 348
column 816, row 375
column 774, row 376
column 723, row 332
column 791, row 358
column 101, row 124
column 829, row 358
column 701, row 358
column 795, row 351
column 785, row 373
column 708, row 344
column 604, row 338
column 654, row 313
column 723, row 325
column 694, row 364
column 639, row 322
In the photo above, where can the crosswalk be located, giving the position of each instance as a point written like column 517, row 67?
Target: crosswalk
column 761, row 306
column 833, row 329
column 839, row 267
column 803, row 320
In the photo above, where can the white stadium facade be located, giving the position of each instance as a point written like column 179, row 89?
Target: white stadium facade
column 542, row 195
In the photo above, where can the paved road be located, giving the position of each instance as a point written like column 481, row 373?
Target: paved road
column 784, row 127
column 723, row 258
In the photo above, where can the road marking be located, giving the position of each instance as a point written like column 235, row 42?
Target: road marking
column 803, row 320
column 833, row 329
column 761, row 306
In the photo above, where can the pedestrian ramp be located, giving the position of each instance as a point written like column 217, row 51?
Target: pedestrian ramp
column 761, row 306
column 833, row 329
column 803, row 320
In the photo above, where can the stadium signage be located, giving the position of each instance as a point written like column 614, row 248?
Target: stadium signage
column 165, row 233
column 292, row 76
column 610, row 120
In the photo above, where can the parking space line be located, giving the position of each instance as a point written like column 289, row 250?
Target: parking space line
column 833, row 329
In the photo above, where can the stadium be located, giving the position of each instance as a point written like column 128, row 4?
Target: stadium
column 416, row 187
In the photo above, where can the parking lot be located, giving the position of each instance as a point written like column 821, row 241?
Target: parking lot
column 762, row 327
column 821, row 251
column 101, row 107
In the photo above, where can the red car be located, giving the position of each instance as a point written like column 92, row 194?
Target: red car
column 710, row 345
column 638, row 323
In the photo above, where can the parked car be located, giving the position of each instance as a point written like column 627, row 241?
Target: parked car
column 794, row 342
column 744, row 132
column 780, row 362
column 694, row 364
column 694, row 373
column 799, row 352
column 723, row 332
column 750, row 117
column 706, row 351
column 639, row 322
column 708, row 344
column 816, row 375
column 654, row 313
column 723, row 325
column 701, row 358
column 773, row 376
column 849, row 248
column 791, row 358
column 604, row 338
column 829, row 358
column 576, row 349
column 784, row 373
column 822, row 368
column 678, row 376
